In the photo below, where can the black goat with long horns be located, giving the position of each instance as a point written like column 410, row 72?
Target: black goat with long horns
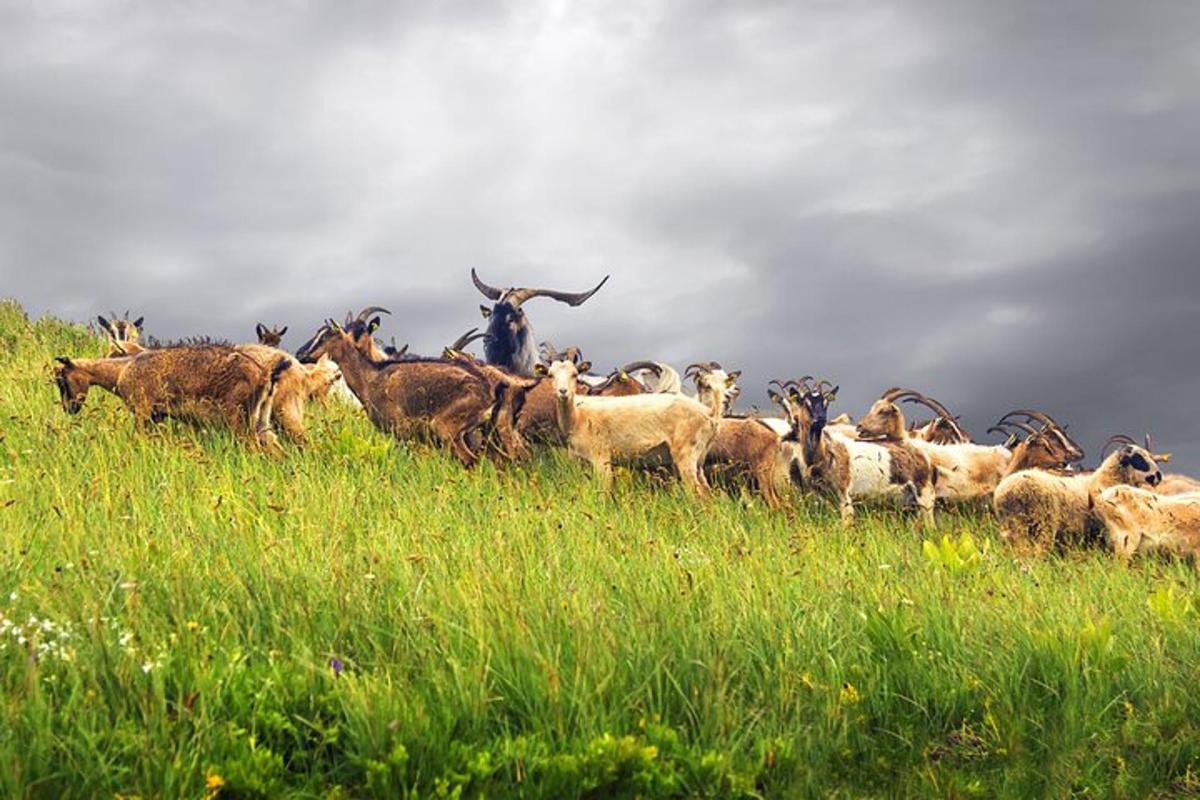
column 509, row 342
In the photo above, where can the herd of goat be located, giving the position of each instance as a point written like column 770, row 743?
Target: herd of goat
column 520, row 395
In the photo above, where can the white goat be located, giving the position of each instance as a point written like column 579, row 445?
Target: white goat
column 1038, row 510
column 1140, row 521
column 600, row 430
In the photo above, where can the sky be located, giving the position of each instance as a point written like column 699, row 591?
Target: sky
column 996, row 203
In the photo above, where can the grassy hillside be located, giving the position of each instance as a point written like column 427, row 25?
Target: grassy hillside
column 180, row 617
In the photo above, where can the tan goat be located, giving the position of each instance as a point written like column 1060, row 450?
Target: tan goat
column 1038, row 510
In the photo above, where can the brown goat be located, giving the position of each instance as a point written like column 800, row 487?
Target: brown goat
column 199, row 384
column 747, row 447
column 408, row 398
column 298, row 385
column 271, row 337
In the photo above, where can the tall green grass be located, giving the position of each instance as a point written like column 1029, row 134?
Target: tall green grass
column 183, row 617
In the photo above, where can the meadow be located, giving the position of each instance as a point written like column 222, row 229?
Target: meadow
column 181, row 616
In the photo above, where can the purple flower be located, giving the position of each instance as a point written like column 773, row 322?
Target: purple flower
column 337, row 666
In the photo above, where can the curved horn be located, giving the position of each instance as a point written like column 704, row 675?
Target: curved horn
column 368, row 311
column 634, row 366
column 1035, row 415
column 1120, row 439
column 896, row 392
column 519, row 296
column 466, row 339
column 490, row 292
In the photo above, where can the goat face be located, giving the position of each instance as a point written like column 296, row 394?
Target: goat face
column 508, row 342
column 322, row 376
column 72, row 386
column 883, row 421
column 121, row 329
column 1137, row 466
column 271, row 337
column 563, row 374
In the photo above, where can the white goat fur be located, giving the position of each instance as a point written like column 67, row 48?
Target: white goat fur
column 1140, row 521
column 603, row 429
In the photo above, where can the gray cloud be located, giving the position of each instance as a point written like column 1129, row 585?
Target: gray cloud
column 994, row 202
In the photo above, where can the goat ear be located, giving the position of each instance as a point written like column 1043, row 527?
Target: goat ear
column 282, row 330
column 103, row 322
column 833, row 392
column 66, row 362
column 137, row 323
column 373, row 325
column 540, row 369
column 733, row 376
column 583, row 366
column 259, row 330
column 487, row 312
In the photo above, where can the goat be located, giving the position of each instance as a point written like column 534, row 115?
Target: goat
column 271, row 337
column 848, row 468
column 1172, row 482
column 1140, row 521
column 122, row 332
column 200, row 384
column 301, row 383
column 601, row 429
column 746, row 446
column 969, row 471
column 450, row 400
column 509, row 340
column 1038, row 509
column 508, row 388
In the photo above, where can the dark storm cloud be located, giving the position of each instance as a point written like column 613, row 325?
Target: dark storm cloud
column 994, row 202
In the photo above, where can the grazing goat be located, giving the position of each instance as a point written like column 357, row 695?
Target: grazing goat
column 850, row 469
column 1038, row 510
column 509, row 341
column 600, row 430
column 1140, row 521
column 969, row 471
column 200, row 384
column 450, row 400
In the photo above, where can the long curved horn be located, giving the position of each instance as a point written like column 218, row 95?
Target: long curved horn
column 1035, row 415
column 634, row 366
column 466, row 339
column 895, row 393
column 490, row 292
column 368, row 311
column 519, row 296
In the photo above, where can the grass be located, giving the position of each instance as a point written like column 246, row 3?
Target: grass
column 180, row 617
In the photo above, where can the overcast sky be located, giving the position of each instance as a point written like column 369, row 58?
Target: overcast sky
column 997, row 203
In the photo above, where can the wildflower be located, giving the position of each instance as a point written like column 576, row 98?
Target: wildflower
column 213, row 782
column 849, row 695
column 147, row 666
column 12, row 596
column 336, row 666
column 192, row 625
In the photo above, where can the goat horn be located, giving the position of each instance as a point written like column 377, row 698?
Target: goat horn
column 368, row 311
column 519, row 296
column 490, row 292
column 634, row 366
column 466, row 339
column 1119, row 438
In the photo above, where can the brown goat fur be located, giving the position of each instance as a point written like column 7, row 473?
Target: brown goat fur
column 296, row 387
column 203, row 385
column 450, row 400
column 746, row 447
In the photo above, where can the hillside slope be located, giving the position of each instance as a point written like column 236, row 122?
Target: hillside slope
column 181, row 617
